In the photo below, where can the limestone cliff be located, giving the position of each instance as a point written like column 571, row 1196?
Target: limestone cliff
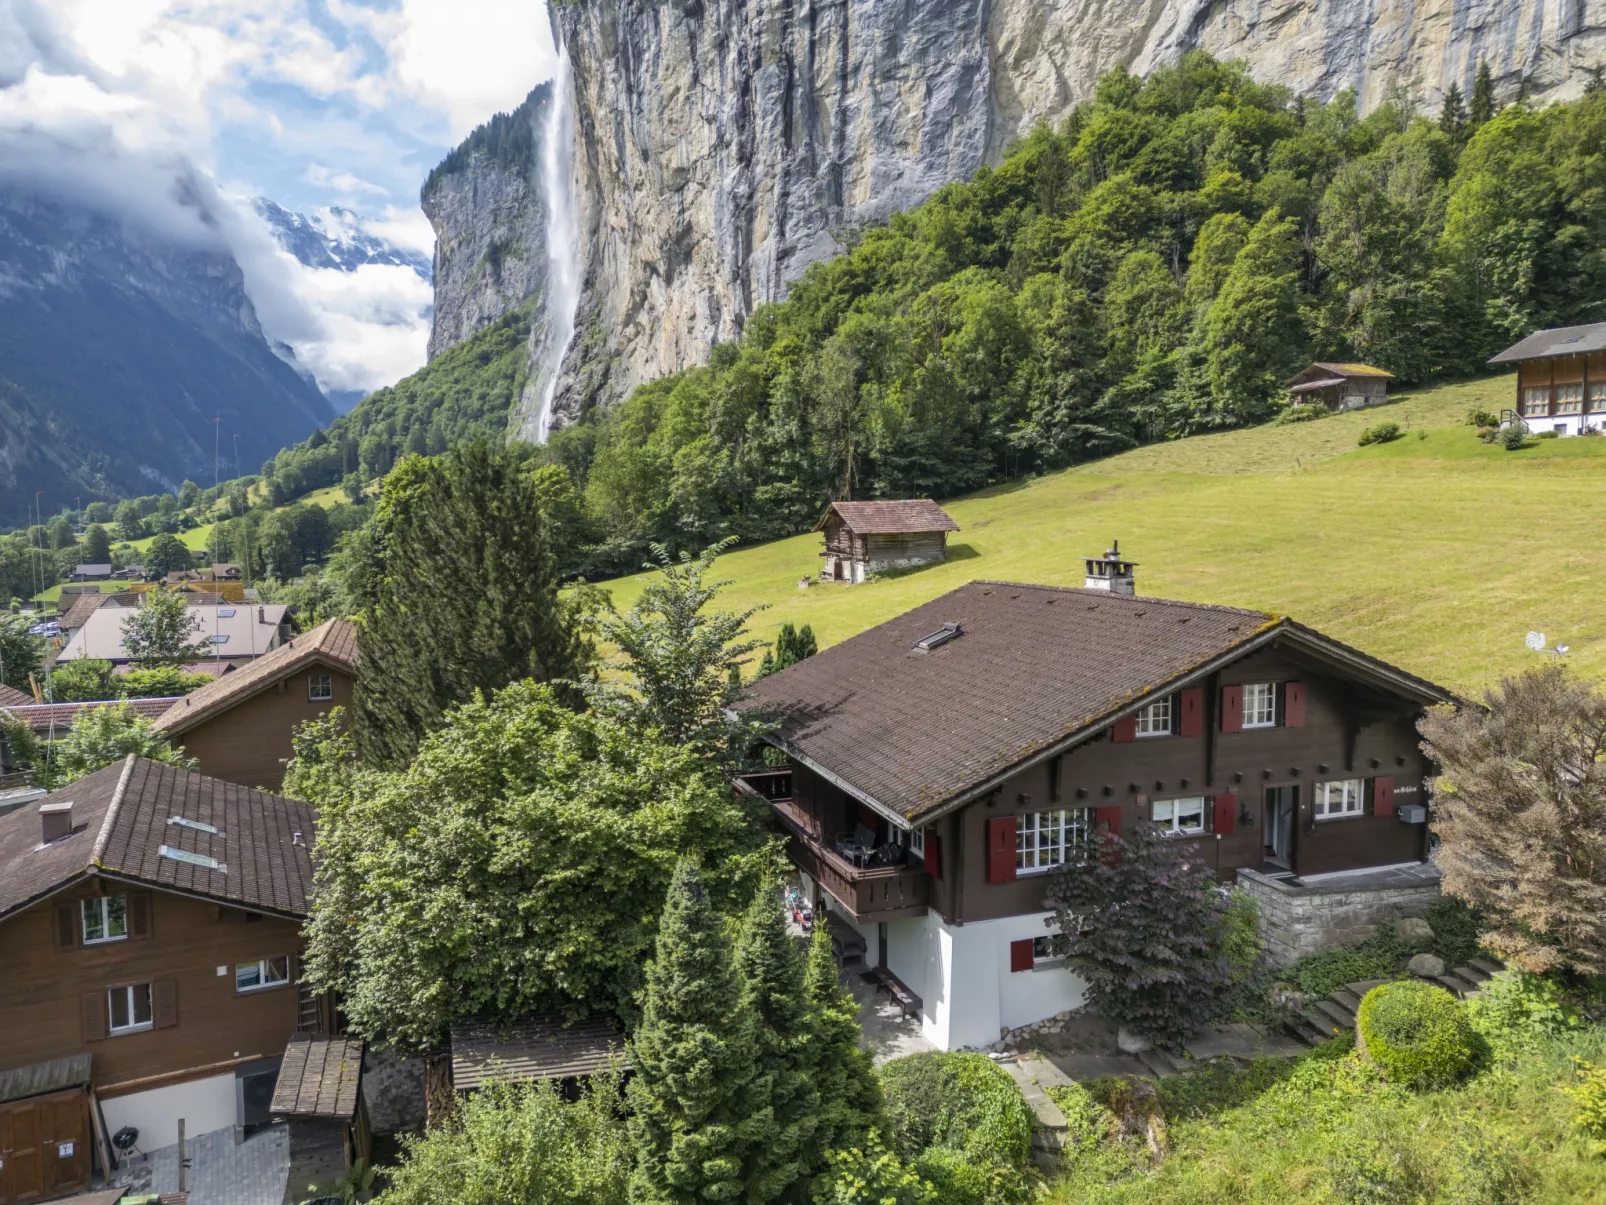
column 724, row 145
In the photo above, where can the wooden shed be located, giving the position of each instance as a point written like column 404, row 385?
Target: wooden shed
column 862, row 538
column 319, row 1096
column 536, row 1048
column 1340, row 386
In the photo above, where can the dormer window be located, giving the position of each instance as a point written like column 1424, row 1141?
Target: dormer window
column 1260, row 705
column 1155, row 719
column 105, row 919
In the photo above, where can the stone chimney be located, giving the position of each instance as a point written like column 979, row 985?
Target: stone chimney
column 1110, row 573
column 55, row 821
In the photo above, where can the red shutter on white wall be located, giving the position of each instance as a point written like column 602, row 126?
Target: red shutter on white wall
column 1226, row 817
column 1232, row 709
column 1383, row 796
column 1001, row 849
column 1191, row 705
column 1124, row 729
column 1293, row 704
column 1020, row 955
column 933, row 855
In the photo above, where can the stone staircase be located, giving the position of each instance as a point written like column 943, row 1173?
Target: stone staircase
column 1318, row 1022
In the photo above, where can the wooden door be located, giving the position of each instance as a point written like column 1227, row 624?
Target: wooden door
column 44, row 1147
column 21, row 1176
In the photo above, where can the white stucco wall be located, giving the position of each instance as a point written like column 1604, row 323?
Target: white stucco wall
column 204, row 1104
column 972, row 994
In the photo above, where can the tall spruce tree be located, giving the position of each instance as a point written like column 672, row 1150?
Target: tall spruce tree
column 698, row 1118
column 770, row 970
column 844, row 1076
column 1453, row 113
column 456, row 592
column 1481, row 110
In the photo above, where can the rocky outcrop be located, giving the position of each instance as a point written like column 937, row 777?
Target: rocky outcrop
column 724, row 145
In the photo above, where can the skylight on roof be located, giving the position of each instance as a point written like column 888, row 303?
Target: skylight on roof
column 223, row 639
column 948, row 631
column 225, row 612
column 1570, row 339
column 186, row 822
column 189, row 859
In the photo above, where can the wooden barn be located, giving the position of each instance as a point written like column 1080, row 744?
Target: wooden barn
column 1340, row 386
column 1561, row 378
column 862, row 538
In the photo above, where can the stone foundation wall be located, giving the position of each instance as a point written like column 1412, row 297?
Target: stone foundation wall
column 1295, row 921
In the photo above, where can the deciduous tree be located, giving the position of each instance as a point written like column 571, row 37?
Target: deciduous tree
column 163, row 630
column 97, row 546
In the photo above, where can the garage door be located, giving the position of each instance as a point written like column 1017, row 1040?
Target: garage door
column 44, row 1146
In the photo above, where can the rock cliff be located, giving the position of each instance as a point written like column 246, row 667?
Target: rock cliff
column 724, row 145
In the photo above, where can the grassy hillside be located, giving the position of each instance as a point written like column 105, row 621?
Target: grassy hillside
column 1437, row 553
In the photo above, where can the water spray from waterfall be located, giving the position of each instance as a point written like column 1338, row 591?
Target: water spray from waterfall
column 562, row 238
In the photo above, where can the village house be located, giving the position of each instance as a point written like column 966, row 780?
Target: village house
column 943, row 764
column 237, row 633
column 862, row 538
column 1340, row 386
column 226, row 571
column 239, row 726
column 91, row 573
column 1561, row 379
column 150, row 931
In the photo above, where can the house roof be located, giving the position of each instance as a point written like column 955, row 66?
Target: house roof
column 1320, row 383
column 1335, row 373
column 123, row 821
column 537, row 1048
column 83, row 606
column 87, row 569
column 10, row 696
column 245, row 636
column 333, row 643
column 890, row 518
column 39, row 1079
column 1035, row 668
column 42, row 717
column 1560, row 341
column 319, row 1077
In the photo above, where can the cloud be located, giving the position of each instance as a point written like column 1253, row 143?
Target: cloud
column 473, row 57
column 341, row 182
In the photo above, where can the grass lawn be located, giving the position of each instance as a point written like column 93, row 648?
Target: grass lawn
column 1438, row 553
column 195, row 539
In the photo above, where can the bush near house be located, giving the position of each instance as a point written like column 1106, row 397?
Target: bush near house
column 1416, row 1033
column 1379, row 434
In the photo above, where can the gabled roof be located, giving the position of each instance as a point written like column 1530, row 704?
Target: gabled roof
column 1033, row 670
column 332, row 644
column 43, row 717
column 122, row 820
column 91, row 569
column 10, row 696
column 231, row 630
column 1335, row 374
column 533, row 1049
column 83, row 606
column 1560, row 341
column 890, row 518
column 319, row 1077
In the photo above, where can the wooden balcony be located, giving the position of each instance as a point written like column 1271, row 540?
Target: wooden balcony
column 867, row 894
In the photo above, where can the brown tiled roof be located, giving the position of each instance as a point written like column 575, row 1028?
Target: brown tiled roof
column 42, row 717
column 537, row 1048
column 319, row 1077
column 890, row 518
column 333, row 643
column 83, row 606
column 1033, row 667
column 10, row 696
column 121, row 822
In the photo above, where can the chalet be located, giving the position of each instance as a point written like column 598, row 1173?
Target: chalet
column 239, row 726
column 941, row 765
column 150, row 930
column 236, row 633
column 91, row 573
column 862, row 538
column 1561, row 379
column 225, row 571
column 1340, row 386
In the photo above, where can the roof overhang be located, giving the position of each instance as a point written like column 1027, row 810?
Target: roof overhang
column 186, row 718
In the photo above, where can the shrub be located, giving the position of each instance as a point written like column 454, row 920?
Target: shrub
column 1380, row 434
column 871, row 1176
column 1590, row 1095
column 1551, row 434
column 1302, row 412
column 1516, row 1010
column 1482, row 418
column 1416, row 1033
column 1381, row 956
column 959, row 1121
column 1513, row 437
column 1488, row 434
column 1455, row 927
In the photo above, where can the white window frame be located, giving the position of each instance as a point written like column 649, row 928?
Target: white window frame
column 1326, row 808
column 1169, row 822
column 1260, row 705
column 101, row 906
column 1155, row 719
column 1043, row 840
column 262, row 967
column 328, row 682
column 128, row 994
column 915, row 842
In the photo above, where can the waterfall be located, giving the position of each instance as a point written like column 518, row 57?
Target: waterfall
column 562, row 238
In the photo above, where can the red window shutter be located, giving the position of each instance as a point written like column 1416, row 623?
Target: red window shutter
column 1383, row 796
column 66, row 926
column 1293, row 705
column 933, row 857
column 164, row 1003
column 1001, row 849
column 1232, row 709
column 1226, row 818
column 1109, row 817
column 1191, row 706
column 1125, row 729
column 92, row 1016
column 139, row 914
column 1020, row 955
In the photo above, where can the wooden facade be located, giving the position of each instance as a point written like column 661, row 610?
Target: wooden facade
column 250, row 741
column 1340, row 386
column 1565, row 387
column 863, row 538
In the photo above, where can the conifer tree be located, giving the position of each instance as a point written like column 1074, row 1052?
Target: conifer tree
column 850, row 1094
column 697, row 1117
column 1453, row 113
column 770, row 971
column 1482, row 109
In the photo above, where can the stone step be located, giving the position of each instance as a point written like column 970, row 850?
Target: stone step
column 1304, row 1031
column 1322, row 1023
column 1486, row 966
column 1471, row 974
column 1159, row 1064
column 1361, row 986
column 1047, row 1112
column 1043, row 1072
column 1455, row 984
column 1342, row 1017
column 1347, row 998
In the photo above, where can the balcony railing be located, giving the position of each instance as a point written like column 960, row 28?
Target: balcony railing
column 874, row 893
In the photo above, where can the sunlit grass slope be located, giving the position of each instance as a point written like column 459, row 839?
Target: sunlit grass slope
column 1436, row 552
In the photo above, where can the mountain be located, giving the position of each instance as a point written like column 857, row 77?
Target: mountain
column 333, row 237
column 119, row 346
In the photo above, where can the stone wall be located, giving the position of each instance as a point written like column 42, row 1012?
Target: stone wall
column 1300, row 920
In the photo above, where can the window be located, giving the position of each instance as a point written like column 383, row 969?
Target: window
column 1597, row 394
column 1044, row 840
column 1536, row 400
column 225, row 613
column 1342, row 798
column 320, row 687
column 1260, row 705
column 1569, row 399
column 1155, row 719
column 1178, row 817
column 105, row 919
column 915, row 839
column 266, row 972
column 223, row 639
column 129, row 1008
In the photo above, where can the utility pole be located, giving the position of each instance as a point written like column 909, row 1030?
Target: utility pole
column 217, row 446
column 235, row 435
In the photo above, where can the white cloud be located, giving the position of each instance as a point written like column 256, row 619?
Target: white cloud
column 474, row 57
column 343, row 183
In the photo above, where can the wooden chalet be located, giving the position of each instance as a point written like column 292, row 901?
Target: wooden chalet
column 862, row 538
column 1340, row 386
column 943, row 764
column 1561, row 379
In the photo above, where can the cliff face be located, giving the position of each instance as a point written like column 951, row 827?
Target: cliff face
column 723, row 145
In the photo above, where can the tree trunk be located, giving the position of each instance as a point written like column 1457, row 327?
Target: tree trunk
column 440, row 1101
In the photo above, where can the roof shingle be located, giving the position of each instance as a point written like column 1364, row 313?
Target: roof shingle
column 319, row 1077
column 890, row 518
column 1560, row 341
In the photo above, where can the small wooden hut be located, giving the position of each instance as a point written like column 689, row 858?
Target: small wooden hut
column 1341, row 386
column 862, row 538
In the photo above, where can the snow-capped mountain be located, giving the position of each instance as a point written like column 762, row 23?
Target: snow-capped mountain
column 333, row 237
